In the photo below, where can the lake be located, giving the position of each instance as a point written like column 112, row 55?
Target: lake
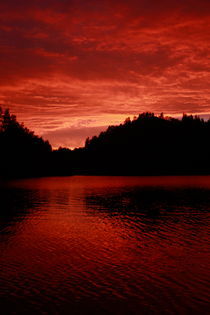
column 105, row 245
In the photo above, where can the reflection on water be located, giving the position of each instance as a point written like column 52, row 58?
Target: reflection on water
column 105, row 245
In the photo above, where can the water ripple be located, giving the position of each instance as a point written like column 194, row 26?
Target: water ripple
column 118, row 246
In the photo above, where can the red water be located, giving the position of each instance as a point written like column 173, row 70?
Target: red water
column 105, row 245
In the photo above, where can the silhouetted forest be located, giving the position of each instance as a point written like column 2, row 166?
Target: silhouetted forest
column 149, row 145
column 23, row 154
column 146, row 145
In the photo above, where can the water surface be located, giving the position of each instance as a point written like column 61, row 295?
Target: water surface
column 105, row 245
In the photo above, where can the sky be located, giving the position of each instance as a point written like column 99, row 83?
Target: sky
column 70, row 68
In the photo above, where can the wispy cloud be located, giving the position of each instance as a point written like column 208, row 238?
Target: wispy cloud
column 63, row 62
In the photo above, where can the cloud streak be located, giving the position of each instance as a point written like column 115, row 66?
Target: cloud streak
column 63, row 62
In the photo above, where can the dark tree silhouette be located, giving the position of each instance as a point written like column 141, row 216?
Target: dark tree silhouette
column 22, row 152
column 151, row 144
column 146, row 145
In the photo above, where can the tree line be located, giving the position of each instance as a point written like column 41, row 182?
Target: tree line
column 22, row 153
column 151, row 145
column 146, row 145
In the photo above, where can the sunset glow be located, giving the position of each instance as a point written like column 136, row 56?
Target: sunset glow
column 69, row 68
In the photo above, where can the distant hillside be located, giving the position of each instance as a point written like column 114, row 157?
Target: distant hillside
column 147, row 145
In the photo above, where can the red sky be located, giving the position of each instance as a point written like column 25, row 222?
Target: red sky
column 71, row 67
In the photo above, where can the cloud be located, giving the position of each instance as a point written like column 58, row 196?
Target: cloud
column 100, row 61
column 72, row 137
